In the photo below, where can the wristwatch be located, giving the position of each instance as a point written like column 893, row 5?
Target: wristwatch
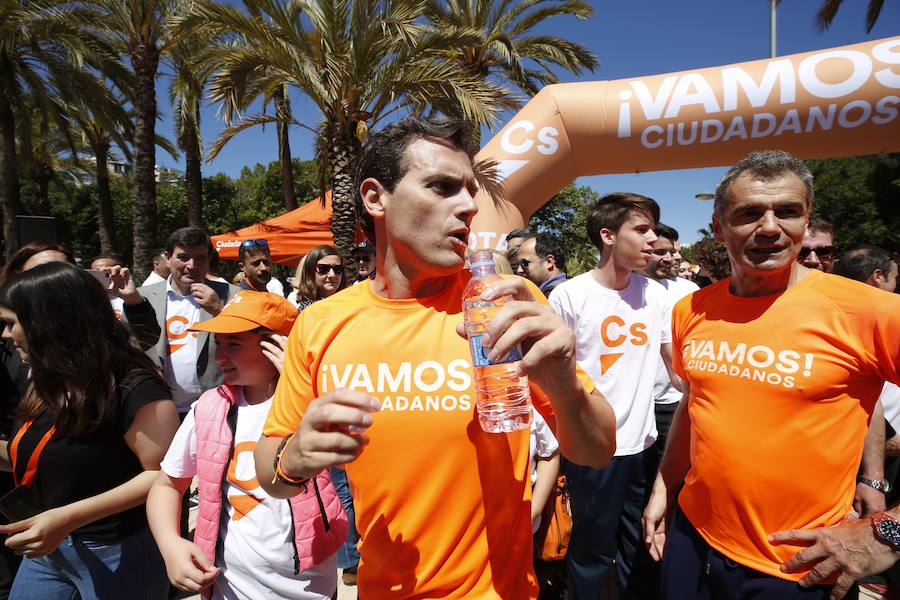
column 887, row 530
column 882, row 485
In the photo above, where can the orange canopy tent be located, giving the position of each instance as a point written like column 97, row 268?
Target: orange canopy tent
column 290, row 236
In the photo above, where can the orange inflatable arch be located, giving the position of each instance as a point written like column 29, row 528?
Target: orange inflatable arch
column 835, row 102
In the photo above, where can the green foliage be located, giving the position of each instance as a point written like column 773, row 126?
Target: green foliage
column 228, row 204
column 564, row 216
column 859, row 195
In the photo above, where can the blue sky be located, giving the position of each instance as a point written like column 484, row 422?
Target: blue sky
column 631, row 38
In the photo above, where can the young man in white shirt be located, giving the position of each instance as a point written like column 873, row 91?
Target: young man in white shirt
column 621, row 324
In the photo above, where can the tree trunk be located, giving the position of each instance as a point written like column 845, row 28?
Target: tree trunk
column 193, row 175
column 282, row 114
column 9, row 173
column 343, row 213
column 42, row 175
column 145, row 61
column 105, row 218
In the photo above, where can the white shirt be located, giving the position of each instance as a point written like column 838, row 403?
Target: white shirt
column 255, row 550
column 292, row 298
column 890, row 401
column 275, row 286
column 543, row 446
column 617, row 338
column 181, row 360
column 153, row 278
column 663, row 390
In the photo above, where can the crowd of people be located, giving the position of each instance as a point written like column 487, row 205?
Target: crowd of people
column 732, row 441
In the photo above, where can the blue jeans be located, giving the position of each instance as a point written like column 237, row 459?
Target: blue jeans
column 132, row 568
column 347, row 554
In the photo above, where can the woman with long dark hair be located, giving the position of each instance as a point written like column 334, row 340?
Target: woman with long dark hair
column 321, row 275
column 95, row 423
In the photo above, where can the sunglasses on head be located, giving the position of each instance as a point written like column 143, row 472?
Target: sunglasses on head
column 821, row 252
column 252, row 243
column 323, row 269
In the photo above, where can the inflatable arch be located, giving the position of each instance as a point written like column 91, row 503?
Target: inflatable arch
column 835, row 102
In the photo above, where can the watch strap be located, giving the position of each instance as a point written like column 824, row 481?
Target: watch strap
column 882, row 485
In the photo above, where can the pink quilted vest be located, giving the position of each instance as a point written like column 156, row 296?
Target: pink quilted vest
column 319, row 522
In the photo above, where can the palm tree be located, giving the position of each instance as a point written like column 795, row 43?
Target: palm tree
column 829, row 8
column 508, row 50
column 47, row 53
column 191, row 68
column 138, row 27
column 356, row 61
column 283, row 119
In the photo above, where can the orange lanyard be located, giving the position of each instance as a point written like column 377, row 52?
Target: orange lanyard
column 31, row 468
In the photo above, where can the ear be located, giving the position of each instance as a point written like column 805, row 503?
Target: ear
column 607, row 236
column 717, row 229
column 550, row 263
column 877, row 277
column 241, row 265
column 373, row 195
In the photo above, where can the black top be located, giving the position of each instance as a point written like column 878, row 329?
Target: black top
column 69, row 470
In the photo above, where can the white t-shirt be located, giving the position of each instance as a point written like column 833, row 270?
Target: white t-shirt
column 890, row 401
column 617, row 335
column 292, row 298
column 152, row 278
column 543, row 445
column 255, row 550
column 275, row 286
column 663, row 390
column 118, row 306
column 181, row 360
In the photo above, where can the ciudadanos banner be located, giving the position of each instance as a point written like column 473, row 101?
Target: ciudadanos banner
column 836, row 102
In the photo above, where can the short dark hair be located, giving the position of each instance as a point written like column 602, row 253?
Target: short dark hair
column 546, row 245
column 612, row 210
column 251, row 250
column 113, row 257
column 383, row 156
column 820, row 225
column 766, row 165
column 521, row 232
column 664, row 231
column 159, row 255
column 860, row 263
column 186, row 237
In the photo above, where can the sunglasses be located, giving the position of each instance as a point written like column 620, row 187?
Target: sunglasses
column 821, row 252
column 323, row 269
column 363, row 258
column 252, row 243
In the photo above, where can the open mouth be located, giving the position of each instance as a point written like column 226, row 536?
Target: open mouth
column 462, row 236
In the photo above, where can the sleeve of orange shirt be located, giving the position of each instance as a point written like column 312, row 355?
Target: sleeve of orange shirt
column 877, row 322
column 295, row 387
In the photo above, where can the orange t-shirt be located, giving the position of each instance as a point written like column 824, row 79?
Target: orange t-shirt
column 443, row 508
column 782, row 388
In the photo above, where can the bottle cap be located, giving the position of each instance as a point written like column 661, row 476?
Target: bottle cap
column 481, row 258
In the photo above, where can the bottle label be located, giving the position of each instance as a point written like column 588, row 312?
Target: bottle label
column 479, row 353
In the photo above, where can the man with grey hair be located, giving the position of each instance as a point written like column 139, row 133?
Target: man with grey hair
column 775, row 359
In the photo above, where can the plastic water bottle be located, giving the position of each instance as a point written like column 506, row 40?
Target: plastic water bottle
column 502, row 398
